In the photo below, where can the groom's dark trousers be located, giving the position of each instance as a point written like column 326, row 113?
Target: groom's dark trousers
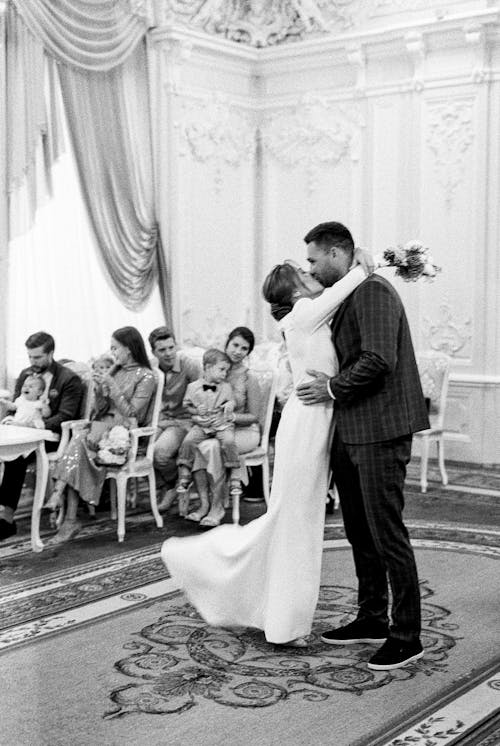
column 370, row 479
column 378, row 405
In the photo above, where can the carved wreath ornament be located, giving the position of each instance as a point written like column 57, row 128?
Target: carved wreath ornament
column 312, row 135
column 216, row 133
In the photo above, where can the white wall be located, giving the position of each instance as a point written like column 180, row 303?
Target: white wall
column 392, row 128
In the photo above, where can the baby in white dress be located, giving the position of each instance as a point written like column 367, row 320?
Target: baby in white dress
column 29, row 408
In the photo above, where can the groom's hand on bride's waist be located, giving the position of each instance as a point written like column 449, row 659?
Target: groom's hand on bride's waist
column 314, row 391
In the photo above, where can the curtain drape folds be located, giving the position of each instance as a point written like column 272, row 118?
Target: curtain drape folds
column 100, row 54
column 89, row 34
column 108, row 122
column 30, row 120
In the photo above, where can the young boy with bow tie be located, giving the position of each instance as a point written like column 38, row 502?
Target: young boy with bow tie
column 210, row 402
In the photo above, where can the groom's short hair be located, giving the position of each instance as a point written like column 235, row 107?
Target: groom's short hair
column 326, row 235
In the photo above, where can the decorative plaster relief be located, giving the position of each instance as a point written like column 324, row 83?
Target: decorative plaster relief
column 202, row 330
column 450, row 135
column 140, row 8
column 446, row 334
column 312, row 135
column 261, row 23
column 215, row 132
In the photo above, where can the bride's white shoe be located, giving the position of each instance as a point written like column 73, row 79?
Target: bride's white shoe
column 299, row 642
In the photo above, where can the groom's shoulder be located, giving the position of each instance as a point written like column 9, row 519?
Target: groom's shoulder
column 375, row 285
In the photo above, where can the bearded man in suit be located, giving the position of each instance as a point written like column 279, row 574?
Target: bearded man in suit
column 378, row 406
column 63, row 395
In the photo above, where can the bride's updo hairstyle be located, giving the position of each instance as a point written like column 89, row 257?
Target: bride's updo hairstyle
column 278, row 289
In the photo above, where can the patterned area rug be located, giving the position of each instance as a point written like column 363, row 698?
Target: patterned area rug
column 156, row 673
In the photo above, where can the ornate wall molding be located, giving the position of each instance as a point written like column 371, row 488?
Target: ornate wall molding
column 260, row 23
column 475, row 37
column 450, row 135
column 313, row 134
column 216, row 133
column 447, row 334
column 175, row 53
column 415, row 44
column 386, row 7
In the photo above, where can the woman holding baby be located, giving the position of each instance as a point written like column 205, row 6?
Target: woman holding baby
column 123, row 396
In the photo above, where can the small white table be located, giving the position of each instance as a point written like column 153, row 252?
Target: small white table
column 21, row 441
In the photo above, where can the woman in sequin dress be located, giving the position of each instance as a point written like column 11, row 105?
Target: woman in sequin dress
column 123, row 396
column 239, row 344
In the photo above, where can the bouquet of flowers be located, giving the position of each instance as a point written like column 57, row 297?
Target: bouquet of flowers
column 114, row 447
column 412, row 261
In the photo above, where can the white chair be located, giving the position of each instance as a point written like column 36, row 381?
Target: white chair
column 267, row 381
column 138, row 465
column 434, row 370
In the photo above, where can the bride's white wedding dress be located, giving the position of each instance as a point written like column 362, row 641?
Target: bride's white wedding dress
column 267, row 574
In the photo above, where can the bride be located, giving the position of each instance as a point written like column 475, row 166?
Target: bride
column 266, row 574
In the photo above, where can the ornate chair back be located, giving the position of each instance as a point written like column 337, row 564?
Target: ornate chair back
column 434, row 369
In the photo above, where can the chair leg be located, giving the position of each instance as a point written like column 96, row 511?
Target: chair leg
column 236, row 508
column 424, row 460
column 112, row 499
column 440, row 450
column 265, row 479
column 152, row 499
column 121, row 498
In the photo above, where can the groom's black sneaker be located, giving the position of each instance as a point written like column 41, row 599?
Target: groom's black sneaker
column 360, row 630
column 395, row 654
column 7, row 529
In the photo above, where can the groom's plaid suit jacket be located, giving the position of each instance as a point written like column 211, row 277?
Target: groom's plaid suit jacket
column 377, row 390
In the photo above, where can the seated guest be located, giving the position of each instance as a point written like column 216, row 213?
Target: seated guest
column 63, row 395
column 239, row 345
column 29, row 406
column 174, row 422
column 210, row 402
column 124, row 396
column 97, row 428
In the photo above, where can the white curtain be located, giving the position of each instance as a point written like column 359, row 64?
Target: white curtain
column 31, row 120
column 56, row 283
column 90, row 34
column 108, row 122
column 57, row 269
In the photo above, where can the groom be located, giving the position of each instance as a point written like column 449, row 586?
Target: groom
column 379, row 405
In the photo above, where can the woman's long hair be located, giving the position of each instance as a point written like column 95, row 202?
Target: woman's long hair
column 278, row 289
column 245, row 333
column 130, row 337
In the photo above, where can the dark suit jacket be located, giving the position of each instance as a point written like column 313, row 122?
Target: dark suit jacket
column 378, row 392
column 65, row 395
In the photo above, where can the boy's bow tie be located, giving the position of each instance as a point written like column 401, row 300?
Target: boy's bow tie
column 209, row 387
